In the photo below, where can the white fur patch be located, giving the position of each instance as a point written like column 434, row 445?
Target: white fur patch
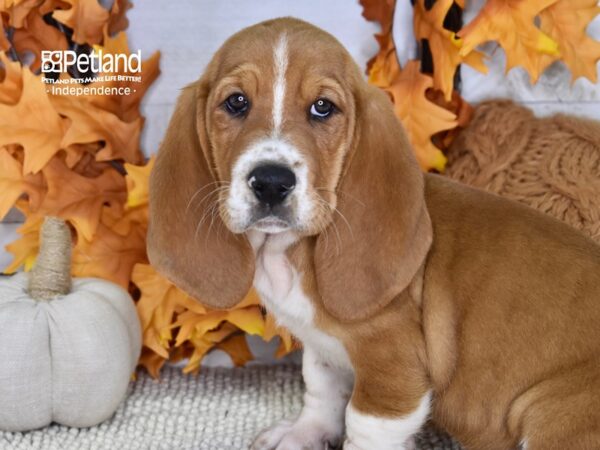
column 321, row 421
column 366, row 432
column 280, row 288
column 280, row 58
column 241, row 200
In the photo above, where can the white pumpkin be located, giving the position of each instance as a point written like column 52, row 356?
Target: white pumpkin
column 66, row 352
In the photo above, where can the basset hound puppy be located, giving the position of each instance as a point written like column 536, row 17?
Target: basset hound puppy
column 414, row 297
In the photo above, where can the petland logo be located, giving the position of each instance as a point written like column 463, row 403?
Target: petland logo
column 96, row 68
column 61, row 61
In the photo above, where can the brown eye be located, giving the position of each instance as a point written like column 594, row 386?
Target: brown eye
column 321, row 109
column 237, row 104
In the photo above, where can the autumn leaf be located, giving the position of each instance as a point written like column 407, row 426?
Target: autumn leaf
column 512, row 24
column 137, row 183
column 271, row 330
column 566, row 22
column 152, row 362
column 12, row 81
column 33, row 123
column 86, row 18
column 122, row 222
column 4, row 42
column 385, row 67
column 35, row 36
column 444, row 45
column 126, row 107
column 381, row 11
column 236, row 347
column 17, row 11
column 89, row 123
column 11, row 181
column 25, row 249
column 421, row 118
column 110, row 255
column 459, row 107
column 154, row 289
column 80, row 199
column 118, row 19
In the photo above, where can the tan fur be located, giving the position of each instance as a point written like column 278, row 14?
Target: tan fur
column 430, row 285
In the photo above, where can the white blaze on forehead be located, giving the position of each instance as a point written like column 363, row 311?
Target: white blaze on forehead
column 280, row 58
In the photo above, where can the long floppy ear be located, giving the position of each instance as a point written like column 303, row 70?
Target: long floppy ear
column 198, row 254
column 383, row 225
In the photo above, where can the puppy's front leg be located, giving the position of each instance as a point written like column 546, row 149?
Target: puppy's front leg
column 392, row 390
column 366, row 430
column 321, row 421
column 389, row 406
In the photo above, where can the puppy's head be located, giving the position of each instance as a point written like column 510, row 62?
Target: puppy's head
column 283, row 134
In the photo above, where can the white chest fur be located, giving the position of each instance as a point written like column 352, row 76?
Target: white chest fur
column 279, row 285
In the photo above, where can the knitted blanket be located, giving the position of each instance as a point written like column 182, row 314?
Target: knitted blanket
column 219, row 409
column 551, row 164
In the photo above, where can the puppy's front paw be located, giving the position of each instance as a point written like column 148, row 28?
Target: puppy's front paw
column 410, row 444
column 296, row 436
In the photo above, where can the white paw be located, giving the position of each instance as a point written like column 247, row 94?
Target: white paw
column 287, row 435
column 410, row 444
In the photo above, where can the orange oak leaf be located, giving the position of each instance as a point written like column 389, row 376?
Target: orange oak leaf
column 381, row 11
column 86, row 18
column 35, row 36
column 137, row 183
column 200, row 347
column 126, row 107
column 118, row 20
column 444, row 44
column 154, row 289
column 85, row 163
column 12, row 80
column 11, row 181
column 236, row 347
column 421, row 118
column 110, row 255
column 271, row 330
column 566, row 21
column 80, row 199
column 152, row 362
column 33, row 123
column 193, row 324
column 89, row 123
column 4, row 42
column 17, row 11
column 385, row 67
column 159, row 304
column 156, row 307
column 77, row 155
column 122, row 222
column 459, row 107
column 25, row 249
column 512, row 24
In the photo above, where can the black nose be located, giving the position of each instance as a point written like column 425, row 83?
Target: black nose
column 271, row 184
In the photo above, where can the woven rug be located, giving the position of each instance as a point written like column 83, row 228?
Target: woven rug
column 219, row 409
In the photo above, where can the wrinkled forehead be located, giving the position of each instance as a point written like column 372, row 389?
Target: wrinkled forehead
column 303, row 54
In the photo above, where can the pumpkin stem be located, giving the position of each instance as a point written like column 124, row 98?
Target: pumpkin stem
column 51, row 275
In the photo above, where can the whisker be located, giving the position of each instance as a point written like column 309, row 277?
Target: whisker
column 200, row 190
column 327, row 206
column 201, row 221
column 214, row 191
column 350, row 196
column 345, row 221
